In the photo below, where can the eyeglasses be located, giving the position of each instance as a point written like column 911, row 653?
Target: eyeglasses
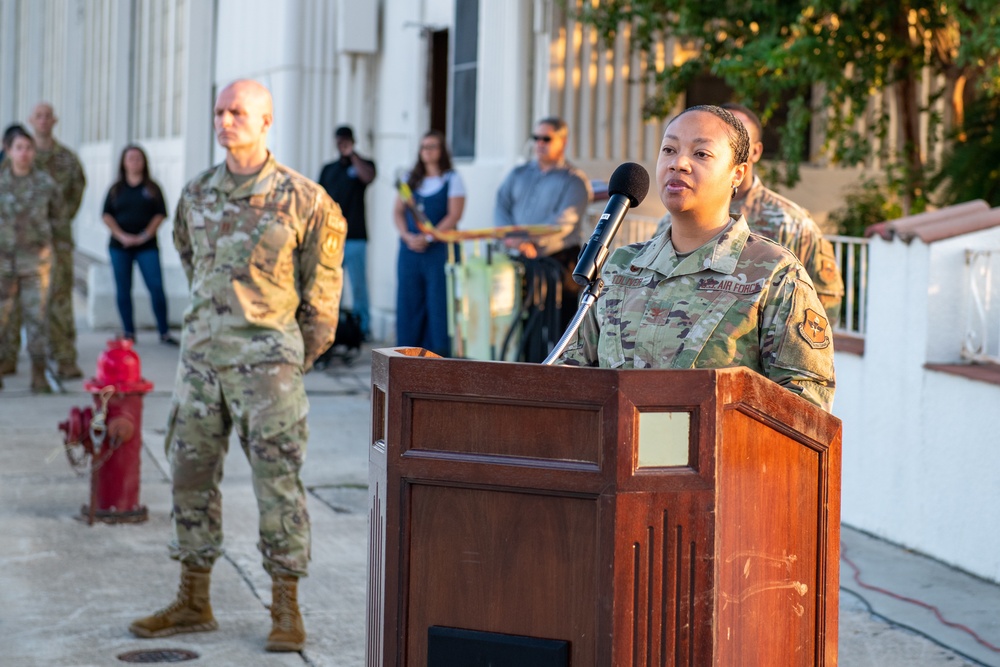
column 430, row 147
column 541, row 137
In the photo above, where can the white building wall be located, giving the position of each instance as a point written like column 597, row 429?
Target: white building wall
column 954, row 510
column 920, row 459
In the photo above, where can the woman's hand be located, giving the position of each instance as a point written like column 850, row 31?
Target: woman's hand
column 415, row 242
column 130, row 240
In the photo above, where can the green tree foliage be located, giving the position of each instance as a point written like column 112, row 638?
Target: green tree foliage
column 844, row 50
column 970, row 169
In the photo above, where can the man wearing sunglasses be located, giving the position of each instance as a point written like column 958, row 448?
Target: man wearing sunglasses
column 548, row 191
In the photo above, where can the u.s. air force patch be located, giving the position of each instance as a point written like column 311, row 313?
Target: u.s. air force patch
column 734, row 284
column 815, row 329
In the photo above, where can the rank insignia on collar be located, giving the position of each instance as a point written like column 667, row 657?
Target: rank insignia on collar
column 815, row 329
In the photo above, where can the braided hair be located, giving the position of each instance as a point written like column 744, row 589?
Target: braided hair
column 739, row 140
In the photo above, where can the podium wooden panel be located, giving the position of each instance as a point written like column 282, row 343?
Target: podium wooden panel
column 507, row 498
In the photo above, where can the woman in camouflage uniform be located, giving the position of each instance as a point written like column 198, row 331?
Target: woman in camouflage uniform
column 706, row 292
column 28, row 209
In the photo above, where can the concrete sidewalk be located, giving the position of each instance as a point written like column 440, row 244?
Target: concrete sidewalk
column 68, row 591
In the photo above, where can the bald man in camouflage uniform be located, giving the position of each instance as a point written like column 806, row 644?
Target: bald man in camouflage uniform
column 739, row 300
column 65, row 169
column 782, row 220
column 28, row 208
column 262, row 247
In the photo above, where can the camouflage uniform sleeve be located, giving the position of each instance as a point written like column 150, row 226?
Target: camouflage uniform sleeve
column 74, row 190
column 796, row 342
column 182, row 238
column 816, row 254
column 55, row 211
column 320, row 277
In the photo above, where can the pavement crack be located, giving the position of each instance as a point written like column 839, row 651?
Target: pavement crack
column 245, row 576
column 163, row 471
column 341, row 498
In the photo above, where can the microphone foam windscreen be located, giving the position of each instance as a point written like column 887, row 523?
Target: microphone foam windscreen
column 630, row 179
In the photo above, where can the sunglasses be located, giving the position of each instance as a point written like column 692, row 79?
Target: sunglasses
column 541, row 137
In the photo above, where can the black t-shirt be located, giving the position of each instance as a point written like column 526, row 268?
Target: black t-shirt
column 133, row 207
column 340, row 180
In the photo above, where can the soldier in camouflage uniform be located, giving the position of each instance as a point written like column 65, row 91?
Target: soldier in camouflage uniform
column 782, row 220
column 28, row 208
column 262, row 247
column 708, row 293
column 63, row 166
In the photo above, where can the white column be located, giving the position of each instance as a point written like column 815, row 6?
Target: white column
column 8, row 60
column 199, row 73
column 395, row 123
column 121, row 75
column 505, row 80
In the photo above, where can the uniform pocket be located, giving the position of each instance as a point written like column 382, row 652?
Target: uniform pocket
column 689, row 339
column 611, row 346
column 271, row 255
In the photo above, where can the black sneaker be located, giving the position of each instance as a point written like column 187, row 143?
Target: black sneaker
column 167, row 339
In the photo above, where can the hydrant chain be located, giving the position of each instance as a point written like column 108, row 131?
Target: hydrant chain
column 99, row 424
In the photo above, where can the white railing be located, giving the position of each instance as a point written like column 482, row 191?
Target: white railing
column 635, row 229
column 852, row 257
column 982, row 330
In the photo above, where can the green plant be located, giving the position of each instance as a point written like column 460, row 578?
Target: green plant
column 970, row 169
column 865, row 204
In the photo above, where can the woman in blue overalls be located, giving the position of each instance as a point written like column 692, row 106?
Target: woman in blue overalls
column 421, row 292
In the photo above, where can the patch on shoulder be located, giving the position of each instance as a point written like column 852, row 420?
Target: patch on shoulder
column 331, row 245
column 828, row 269
column 815, row 329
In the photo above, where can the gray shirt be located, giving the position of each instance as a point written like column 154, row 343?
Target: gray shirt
column 559, row 197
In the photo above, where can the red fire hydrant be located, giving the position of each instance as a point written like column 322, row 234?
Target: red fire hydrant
column 110, row 436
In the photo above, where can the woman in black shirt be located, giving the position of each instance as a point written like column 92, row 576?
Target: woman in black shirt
column 133, row 210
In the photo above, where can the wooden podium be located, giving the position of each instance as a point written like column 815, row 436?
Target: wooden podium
column 589, row 516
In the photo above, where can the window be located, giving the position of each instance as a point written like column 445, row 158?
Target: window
column 464, row 75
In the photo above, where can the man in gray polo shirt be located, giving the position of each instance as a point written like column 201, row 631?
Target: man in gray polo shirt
column 548, row 191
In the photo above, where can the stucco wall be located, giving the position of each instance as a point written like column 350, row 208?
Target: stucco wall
column 920, row 455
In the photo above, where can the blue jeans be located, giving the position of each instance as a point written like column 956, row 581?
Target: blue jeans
column 149, row 266
column 355, row 251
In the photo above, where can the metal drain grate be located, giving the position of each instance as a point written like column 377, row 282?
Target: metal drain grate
column 158, row 655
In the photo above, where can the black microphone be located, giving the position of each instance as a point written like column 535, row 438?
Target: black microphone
column 628, row 187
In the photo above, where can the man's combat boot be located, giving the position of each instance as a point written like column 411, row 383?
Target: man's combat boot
column 190, row 612
column 287, row 630
column 39, row 383
column 68, row 370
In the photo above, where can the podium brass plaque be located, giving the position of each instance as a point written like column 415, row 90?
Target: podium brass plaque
column 664, row 439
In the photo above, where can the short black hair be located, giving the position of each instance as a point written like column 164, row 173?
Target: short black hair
column 344, row 132
column 745, row 110
column 557, row 123
column 13, row 132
